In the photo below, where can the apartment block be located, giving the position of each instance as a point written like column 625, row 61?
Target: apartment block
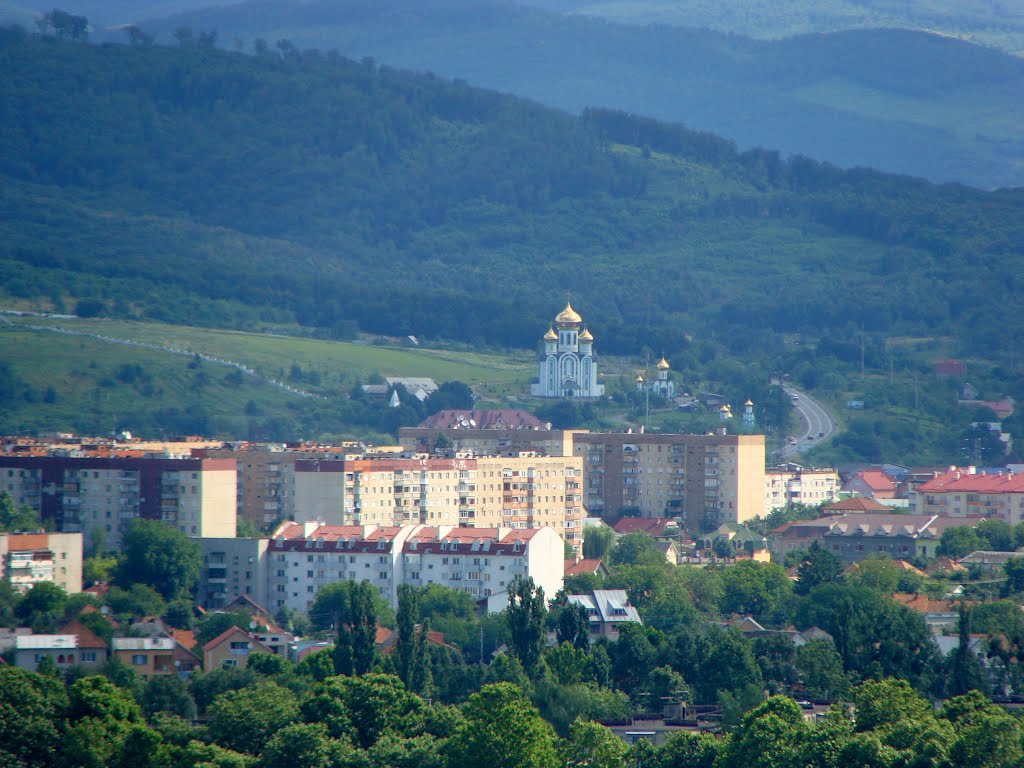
column 232, row 567
column 479, row 561
column 969, row 493
column 793, row 484
column 705, row 479
column 30, row 558
column 519, row 490
column 99, row 496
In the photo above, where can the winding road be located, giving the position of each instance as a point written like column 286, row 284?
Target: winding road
column 818, row 425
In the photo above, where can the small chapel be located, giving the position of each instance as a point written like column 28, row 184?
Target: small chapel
column 567, row 367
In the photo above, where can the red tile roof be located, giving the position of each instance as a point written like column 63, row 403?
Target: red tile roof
column 961, row 480
column 586, row 565
column 86, row 637
column 876, row 480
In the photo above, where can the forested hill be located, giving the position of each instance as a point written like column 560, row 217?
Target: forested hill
column 901, row 101
column 192, row 184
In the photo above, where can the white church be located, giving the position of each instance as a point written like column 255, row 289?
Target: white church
column 567, row 367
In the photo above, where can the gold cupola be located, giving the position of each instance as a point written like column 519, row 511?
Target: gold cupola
column 551, row 335
column 586, row 337
column 568, row 317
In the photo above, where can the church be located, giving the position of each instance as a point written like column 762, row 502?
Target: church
column 567, row 367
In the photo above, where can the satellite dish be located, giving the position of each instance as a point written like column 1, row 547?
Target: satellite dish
column 253, row 625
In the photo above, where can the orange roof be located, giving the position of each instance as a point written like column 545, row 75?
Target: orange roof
column 27, row 542
column 86, row 637
column 186, row 638
column 876, row 479
column 924, row 604
column 655, row 526
column 223, row 636
column 586, row 565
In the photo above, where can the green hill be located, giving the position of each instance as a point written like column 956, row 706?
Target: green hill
column 901, row 101
column 192, row 185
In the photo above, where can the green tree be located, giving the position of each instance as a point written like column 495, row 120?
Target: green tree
column 959, row 541
column 502, row 729
column 573, row 626
column 161, row 556
column 688, row 750
column 245, row 720
column 305, row 745
column 32, row 708
column 42, row 606
column 593, row 746
column 137, row 601
column 16, row 519
column 964, row 672
column 168, row 694
column 598, row 541
column 777, row 722
column 632, row 657
column 820, row 669
column 367, row 707
column 637, row 548
column 818, row 567
column 526, row 619
column 754, row 588
column 354, row 646
column 875, row 572
column 1014, row 569
column 412, row 660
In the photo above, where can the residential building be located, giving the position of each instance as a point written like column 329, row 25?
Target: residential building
column 479, row 561
column 232, row 567
column 607, row 610
column 873, row 483
column 705, row 480
column 586, row 565
column 853, row 505
column 29, row 650
column 988, row 561
column 967, row 492
column 516, row 490
column 92, row 649
column 148, row 656
column 99, row 497
column 567, row 366
column 489, row 419
column 853, row 537
column 655, row 527
column 232, row 648
column 743, row 542
column 793, row 484
column 29, row 558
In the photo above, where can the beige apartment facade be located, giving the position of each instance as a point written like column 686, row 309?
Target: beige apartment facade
column 31, row 558
column 793, row 484
column 520, row 490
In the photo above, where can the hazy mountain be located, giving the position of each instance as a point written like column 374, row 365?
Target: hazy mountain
column 989, row 22
column 905, row 102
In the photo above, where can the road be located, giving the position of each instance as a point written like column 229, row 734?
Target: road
column 816, row 422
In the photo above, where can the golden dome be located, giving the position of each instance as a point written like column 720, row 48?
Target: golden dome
column 568, row 316
column 639, row 378
column 749, row 402
column 551, row 335
column 586, row 336
column 663, row 364
column 725, row 408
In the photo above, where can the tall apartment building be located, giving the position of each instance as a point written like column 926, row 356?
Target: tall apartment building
column 232, row 567
column 705, row 479
column 30, row 558
column 793, row 484
column 266, row 476
column 520, row 490
column 483, row 562
column 99, row 497
column 968, row 493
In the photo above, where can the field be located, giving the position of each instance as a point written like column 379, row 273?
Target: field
column 79, row 382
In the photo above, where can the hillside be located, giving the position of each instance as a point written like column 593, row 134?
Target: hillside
column 900, row 101
column 191, row 185
column 986, row 22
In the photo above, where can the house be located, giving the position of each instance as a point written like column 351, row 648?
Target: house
column 939, row 615
column 92, row 649
column 29, row 650
column 966, row 492
column 655, row 527
column 232, row 648
column 148, row 656
column 607, row 610
column 854, row 504
column 583, row 565
column 490, row 419
column 871, row 482
column 987, row 560
column 743, row 542
column 419, row 387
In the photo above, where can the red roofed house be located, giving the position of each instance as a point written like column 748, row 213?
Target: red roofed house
column 92, row 649
column 967, row 493
column 872, row 482
column 586, row 565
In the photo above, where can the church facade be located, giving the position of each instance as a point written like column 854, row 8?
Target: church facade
column 567, row 367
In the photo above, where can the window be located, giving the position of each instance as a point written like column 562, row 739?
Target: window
column 139, row 659
column 88, row 656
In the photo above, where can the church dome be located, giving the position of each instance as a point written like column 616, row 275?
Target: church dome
column 749, row 403
column 586, row 336
column 663, row 364
column 551, row 335
column 568, row 316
